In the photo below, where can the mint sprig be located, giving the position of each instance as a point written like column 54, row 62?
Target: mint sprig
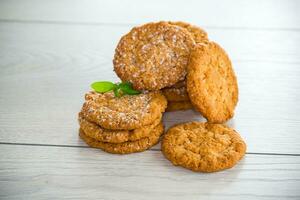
column 103, row 86
column 127, row 88
column 119, row 88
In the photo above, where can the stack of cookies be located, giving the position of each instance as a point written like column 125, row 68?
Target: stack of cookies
column 160, row 52
column 177, row 97
column 127, row 124
column 171, row 63
column 179, row 59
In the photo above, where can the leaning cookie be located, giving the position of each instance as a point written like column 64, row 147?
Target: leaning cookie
column 203, row 147
column 199, row 35
column 211, row 83
column 123, row 113
column 178, row 105
column 115, row 136
column 154, row 55
column 126, row 147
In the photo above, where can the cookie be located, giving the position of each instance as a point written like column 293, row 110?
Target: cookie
column 125, row 147
column 123, row 113
column 203, row 147
column 153, row 56
column 211, row 83
column 176, row 92
column 199, row 35
column 115, row 136
column 179, row 84
column 178, row 105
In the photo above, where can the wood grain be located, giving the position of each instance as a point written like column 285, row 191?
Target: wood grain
column 267, row 14
column 52, row 50
column 45, row 75
column 33, row 172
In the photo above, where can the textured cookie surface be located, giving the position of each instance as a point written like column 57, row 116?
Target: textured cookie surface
column 125, row 147
column 178, row 105
column 199, row 35
column 176, row 92
column 203, row 147
column 211, row 83
column 123, row 113
column 154, row 55
column 115, row 136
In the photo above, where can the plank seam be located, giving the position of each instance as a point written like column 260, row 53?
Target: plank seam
column 74, row 146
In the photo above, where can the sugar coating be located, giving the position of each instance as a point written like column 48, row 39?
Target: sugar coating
column 153, row 56
column 123, row 113
column 176, row 92
column 199, row 35
column 203, row 147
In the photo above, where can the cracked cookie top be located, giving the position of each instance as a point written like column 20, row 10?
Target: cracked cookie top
column 154, row 55
column 123, row 113
column 203, row 146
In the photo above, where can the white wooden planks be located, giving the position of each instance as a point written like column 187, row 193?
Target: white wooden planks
column 47, row 68
column 268, row 14
column 34, row 172
column 50, row 51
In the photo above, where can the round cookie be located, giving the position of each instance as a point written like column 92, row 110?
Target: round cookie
column 115, row 136
column 203, row 147
column 178, row 105
column 126, row 147
column 123, row 113
column 153, row 56
column 211, row 83
column 199, row 35
column 176, row 92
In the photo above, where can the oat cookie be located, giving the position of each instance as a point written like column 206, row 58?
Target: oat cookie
column 199, row 35
column 211, row 83
column 203, row 147
column 178, row 105
column 176, row 92
column 126, row 147
column 123, row 113
column 154, row 55
column 115, row 136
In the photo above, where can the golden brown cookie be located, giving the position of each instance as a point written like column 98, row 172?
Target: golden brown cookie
column 178, row 105
column 199, row 35
column 203, row 147
column 211, row 83
column 123, row 113
column 154, row 55
column 115, row 136
column 126, row 147
column 176, row 92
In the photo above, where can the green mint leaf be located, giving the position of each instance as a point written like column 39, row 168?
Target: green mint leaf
column 126, row 87
column 117, row 91
column 103, row 86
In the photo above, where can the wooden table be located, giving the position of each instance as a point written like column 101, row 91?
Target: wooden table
column 51, row 51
